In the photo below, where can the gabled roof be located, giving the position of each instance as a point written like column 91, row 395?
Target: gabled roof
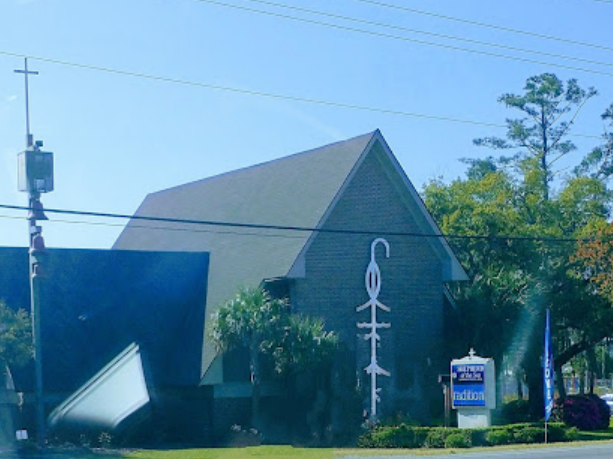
column 299, row 190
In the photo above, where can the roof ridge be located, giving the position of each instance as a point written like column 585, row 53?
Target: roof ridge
column 265, row 163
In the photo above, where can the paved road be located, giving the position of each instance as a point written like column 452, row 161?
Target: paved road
column 600, row 451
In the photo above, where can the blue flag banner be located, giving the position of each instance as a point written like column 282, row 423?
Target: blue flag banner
column 548, row 370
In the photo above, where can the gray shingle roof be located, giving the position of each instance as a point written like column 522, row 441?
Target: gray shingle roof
column 296, row 190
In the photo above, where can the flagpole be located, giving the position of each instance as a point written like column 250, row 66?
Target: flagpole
column 548, row 371
column 545, row 368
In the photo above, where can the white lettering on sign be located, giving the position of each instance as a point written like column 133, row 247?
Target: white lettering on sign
column 469, row 395
column 469, row 368
column 468, row 373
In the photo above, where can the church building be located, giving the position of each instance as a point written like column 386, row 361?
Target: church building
column 342, row 233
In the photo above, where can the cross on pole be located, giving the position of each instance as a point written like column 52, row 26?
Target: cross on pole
column 26, row 73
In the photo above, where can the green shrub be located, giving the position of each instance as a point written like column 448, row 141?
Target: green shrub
column 498, row 437
column 457, row 440
column 571, row 434
column 435, row 439
column 517, row 411
column 477, row 437
column 378, row 438
column 420, row 434
column 529, row 435
column 404, row 436
column 557, row 432
column 401, row 436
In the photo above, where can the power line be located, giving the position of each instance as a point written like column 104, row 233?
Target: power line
column 261, row 93
column 161, row 228
column 305, row 229
column 422, row 32
column 489, row 26
column 406, row 39
column 249, row 92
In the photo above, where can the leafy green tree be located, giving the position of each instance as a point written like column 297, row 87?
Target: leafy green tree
column 593, row 263
column 255, row 321
column 16, row 346
column 265, row 327
column 306, row 346
column 514, row 280
column 500, row 270
column 548, row 109
column 303, row 361
column 599, row 162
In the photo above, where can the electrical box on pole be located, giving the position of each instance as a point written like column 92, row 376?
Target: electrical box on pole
column 35, row 171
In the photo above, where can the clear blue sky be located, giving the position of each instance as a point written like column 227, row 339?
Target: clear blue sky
column 117, row 138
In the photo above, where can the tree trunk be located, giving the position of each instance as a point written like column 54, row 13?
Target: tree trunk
column 534, row 380
column 544, row 165
column 559, row 377
column 254, row 363
column 591, row 366
column 520, row 383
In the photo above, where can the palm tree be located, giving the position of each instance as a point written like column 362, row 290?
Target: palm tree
column 306, row 346
column 265, row 326
column 255, row 321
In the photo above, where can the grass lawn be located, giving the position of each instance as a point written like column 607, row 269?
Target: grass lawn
column 273, row 452
column 255, row 452
column 289, row 452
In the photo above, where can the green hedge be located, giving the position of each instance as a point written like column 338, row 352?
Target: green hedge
column 404, row 436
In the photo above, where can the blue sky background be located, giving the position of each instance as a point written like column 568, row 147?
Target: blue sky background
column 117, row 138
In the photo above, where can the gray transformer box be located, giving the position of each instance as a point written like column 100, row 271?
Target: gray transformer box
column 35, row 171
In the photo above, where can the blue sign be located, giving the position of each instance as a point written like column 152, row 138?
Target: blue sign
column 469, row 395
column 468, row 384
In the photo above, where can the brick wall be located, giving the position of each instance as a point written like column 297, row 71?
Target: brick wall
column 411, row 287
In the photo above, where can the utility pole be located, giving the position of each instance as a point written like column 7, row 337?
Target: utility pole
column 35, row 176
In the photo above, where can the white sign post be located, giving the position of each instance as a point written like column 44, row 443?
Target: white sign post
column 373, row 287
